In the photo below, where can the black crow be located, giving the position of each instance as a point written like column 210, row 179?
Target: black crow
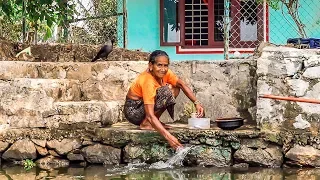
column 104, row 51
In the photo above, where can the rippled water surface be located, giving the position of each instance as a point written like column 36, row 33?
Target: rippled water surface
column 142, row 171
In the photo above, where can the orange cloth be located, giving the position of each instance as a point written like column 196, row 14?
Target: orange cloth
column 145, row 85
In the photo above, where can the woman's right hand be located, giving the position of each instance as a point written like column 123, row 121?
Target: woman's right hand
column 200, row 110
column 173, row 141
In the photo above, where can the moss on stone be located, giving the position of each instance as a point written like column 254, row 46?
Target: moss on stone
column 235, row 145
column 292, row 110
column 274, row 137
column 312, row 82
column 266, row 126
column 213, row 142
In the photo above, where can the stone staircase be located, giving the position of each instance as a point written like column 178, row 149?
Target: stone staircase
column 59, row 112
column 51, row 94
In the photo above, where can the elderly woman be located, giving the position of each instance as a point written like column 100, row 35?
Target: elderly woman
column 153, row 92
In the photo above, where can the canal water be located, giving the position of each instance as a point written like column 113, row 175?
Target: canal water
column 171, row 169
column 104, row 172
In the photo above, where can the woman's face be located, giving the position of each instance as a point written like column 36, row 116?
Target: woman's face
column 160, row 67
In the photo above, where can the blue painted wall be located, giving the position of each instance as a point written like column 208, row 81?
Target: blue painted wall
column 283, row 27
column 144, row 33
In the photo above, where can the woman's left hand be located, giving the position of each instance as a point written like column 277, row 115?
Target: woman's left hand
column 200, row 110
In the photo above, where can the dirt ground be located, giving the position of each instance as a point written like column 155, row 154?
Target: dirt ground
column 65, row 53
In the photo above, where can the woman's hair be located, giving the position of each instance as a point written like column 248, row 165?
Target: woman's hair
column 155, row 54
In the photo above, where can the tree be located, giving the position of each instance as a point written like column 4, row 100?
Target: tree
column 38, row 15
column 292, row 7
column 100, row 23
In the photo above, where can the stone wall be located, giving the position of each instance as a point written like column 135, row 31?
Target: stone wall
column 124, row 144
column 288, row 72
column 285, row 71
column 44, row 94
column 58, row 113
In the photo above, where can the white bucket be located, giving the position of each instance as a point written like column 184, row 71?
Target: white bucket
column 199, row 123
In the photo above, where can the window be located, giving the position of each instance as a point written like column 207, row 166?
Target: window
column 169, row 22
column 199, row 23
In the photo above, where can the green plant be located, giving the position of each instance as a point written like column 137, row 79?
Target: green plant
column 292, row 6
column 28, row 164
column 38, row 16
column 189, row 108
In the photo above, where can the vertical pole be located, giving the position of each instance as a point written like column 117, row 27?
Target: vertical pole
column 23, row 21
column 226, row 28
column 124, row 21
column 65, row 23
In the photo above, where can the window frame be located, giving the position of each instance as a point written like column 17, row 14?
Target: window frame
column 235, row 6
column 211, row 20
column 162, row 43
column 211, row 42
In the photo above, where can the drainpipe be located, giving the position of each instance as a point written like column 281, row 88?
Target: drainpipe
column 226, row 28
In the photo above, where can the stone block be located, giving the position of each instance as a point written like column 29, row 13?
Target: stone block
column 101, row 154
column 270, row 157
column 209, row 156
column 20, row 150
column 304, row 155
column 145, row 153
column 65, row 146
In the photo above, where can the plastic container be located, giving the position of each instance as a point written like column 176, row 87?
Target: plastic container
column 199, row 123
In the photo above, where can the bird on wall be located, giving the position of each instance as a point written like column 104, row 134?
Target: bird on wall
column 104, row 51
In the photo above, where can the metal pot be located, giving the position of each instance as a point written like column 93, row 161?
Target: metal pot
column 229, row 123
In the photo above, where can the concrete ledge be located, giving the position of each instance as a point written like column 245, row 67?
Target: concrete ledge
column 124, row 133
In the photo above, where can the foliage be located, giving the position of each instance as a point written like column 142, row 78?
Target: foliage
column 292, row 6
column 97, row 30
column 9, row 29
column 39, row 15
column 28, row 164
column 189, row 108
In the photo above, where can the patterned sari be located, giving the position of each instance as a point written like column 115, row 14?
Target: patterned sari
column 134, row 109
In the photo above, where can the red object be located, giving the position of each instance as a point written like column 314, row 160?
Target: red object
column 190, row 42
column 206, row 2
column 314, row 101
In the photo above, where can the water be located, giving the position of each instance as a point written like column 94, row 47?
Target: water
column 101, row 173
column 174, row 161
column 170, row 170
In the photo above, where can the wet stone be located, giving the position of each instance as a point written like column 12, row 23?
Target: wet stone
column 213, row 142
column 149, row 154
column 41, row 150
column 304, row 155
column 101, row 154
column 3, row 146
column 209, row 156
column 271, row 156
column 51, row 162
column 53, row 153
column 241, row 165
column 20, row 150
column 235, row 145
column 39, row 142
column 75, row 157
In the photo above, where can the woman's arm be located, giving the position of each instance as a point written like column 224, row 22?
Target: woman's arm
column 188, row 92
column 156, row 124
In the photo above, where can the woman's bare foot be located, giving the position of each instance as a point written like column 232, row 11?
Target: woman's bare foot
column 145, row 125
column 166, row 126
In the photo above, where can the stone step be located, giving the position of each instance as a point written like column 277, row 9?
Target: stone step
column 58, row 89
column 36, row 112
column 99, row 81
column 44, row 52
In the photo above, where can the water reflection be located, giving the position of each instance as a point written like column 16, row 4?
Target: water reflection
column 144, row 173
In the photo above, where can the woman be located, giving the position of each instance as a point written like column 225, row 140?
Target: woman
column 154, row 91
